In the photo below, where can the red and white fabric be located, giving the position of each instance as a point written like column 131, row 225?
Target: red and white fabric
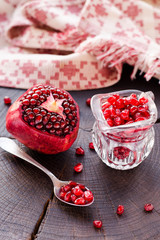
column 77, row 44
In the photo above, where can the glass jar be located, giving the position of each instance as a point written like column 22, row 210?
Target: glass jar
column 125, row 146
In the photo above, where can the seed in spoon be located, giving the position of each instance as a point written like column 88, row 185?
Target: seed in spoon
column 76, row 193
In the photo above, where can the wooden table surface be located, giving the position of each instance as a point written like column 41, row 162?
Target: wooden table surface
column 29, row 209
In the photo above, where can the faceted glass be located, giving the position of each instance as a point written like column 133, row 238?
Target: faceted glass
column 125, row 146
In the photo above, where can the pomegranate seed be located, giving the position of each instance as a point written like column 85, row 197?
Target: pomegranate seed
column 121, row 152
column 112, row 99
column 49, row 125
column 62, row 195
column 33, row 101
column 26, row 102
column 118, row 112
column 112, row 113
column 88, row 101
column 28, row 110
column 97, row 223
column 43, row 112
column 7, row 100
column 45, row 120
column 67, row 110
column 67, row 196
column 117, row 121
column 65, row 104
column 91, row 146
column 72, row 107
column 105, row 105
column 133, row 95
column 148, row 207
column 42, row 98
column 73, row 198
column 39, row 126
column 66, row 188
column 77, row 191
column 73, row 123
column 140, row 119
column 70, row 116
column 72, row 183
column 116, row 96
column 38, row 92
column 126, row 102
column 79, row 151
column 66, row 130
column 29, row 97
column 35, row 96
column 125, row 114
column 56, row 125
column 110, row 122
column 146, row 114
column 146, row 106
column 143, row 100
column 78, row 167
column 120, row 103
column 82, row 187
column 134, row 102
column 133, row 110
column 88, row 196
column 31, row 116
column 80, row 201
column 38, row 118
column 107, row 113
column 120, row 209
column 36, row 110
column 141, row 109
column 53, row 118
column 129, row 122
column 137, row 115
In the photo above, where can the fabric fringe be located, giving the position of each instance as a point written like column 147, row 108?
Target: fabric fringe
column 110, row 54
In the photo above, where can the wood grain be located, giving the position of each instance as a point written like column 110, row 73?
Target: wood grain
column 29, row 209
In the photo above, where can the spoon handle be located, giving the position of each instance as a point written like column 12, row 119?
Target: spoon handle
column 10, row 146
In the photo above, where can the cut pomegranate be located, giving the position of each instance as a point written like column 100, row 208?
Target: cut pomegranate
column 88, row 101
column 120, row 209
column 91, row 146
column 45, row 119
column 76, row 194
column 80, row 151
column 7, row 100
column 125, row 110
column 97, row 223
column 148, row 207
column 78, row 167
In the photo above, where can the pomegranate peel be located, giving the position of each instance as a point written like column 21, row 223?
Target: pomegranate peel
column 45, row 119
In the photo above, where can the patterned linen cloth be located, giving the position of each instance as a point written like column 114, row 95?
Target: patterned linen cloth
column 77, row 44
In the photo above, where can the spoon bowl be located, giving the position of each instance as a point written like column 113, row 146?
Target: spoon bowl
column 10, row 146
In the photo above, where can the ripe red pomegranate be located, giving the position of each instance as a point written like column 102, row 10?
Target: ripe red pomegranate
column 45, row 119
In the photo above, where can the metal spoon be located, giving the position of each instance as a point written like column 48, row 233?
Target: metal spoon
column 10, row 146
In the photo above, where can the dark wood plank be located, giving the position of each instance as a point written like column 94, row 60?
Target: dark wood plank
column 25, row 191
column 24, row 194
column 111, row 187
